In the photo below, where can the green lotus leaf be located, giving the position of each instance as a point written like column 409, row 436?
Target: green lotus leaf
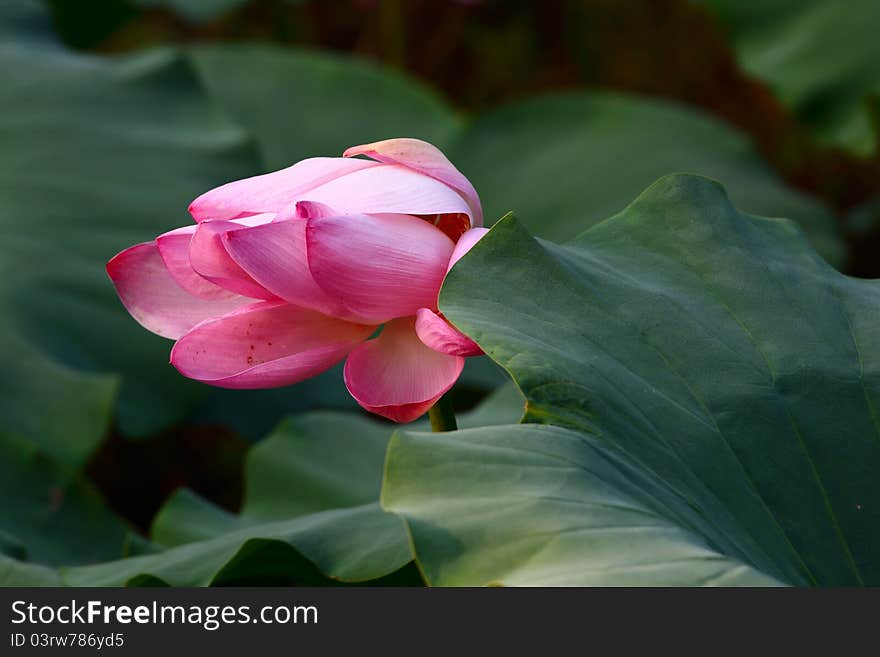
column 717, row 385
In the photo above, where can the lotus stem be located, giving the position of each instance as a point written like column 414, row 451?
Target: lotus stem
column 442, row 415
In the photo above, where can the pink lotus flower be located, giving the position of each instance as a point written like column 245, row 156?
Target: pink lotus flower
column 287, row 273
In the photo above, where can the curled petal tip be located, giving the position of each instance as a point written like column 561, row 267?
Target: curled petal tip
column 398, row 145
column 427, row 159
column 440, row 335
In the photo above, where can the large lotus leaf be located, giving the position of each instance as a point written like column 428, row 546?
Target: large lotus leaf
column 720, row 384
column 526, row 505
column 820, row 56
column 50, row 515
column 563, row 163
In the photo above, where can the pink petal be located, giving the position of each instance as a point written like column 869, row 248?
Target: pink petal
column 427, row 159
column 442, row 336
column 388, row 188
column 265, row 345
column 271, row 192
column 154, row 299
column 210, row 259
column 396, row 376
column 174, row 249
column 274, row 255
column 379, row 267
column 466, row 243
column 311, row 210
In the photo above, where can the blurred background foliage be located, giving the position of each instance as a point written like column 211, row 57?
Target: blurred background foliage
column 118, row 112
column 798, row 79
